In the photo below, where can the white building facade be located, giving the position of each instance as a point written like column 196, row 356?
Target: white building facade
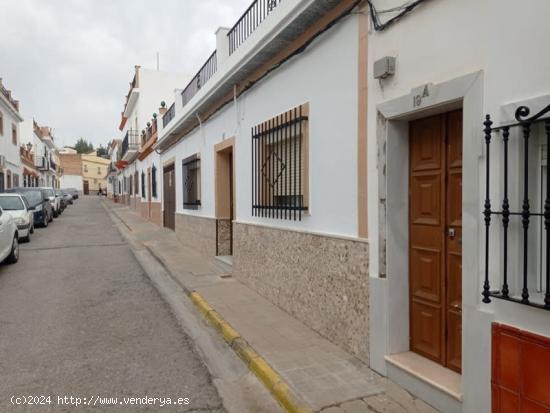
column 138, row 177
column 10, row 120
column 456, row 62
column 260, row 163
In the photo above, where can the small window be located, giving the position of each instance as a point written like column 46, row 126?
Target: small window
column 191, row 174
column 154, row 181
column 136, row 183
column 85, row 168
column 99, row 170
column 280, row 165
column 14, row 134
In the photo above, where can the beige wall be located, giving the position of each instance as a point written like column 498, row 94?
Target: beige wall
column 95, row 171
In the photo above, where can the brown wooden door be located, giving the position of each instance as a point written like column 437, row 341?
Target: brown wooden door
column 435, row 231
column 86, row 187
column 169, row 195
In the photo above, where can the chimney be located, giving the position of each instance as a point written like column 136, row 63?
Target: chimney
column 222, row 45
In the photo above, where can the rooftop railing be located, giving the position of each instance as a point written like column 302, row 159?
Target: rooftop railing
column 256, row 13
column 204, row 74
column 169, row 115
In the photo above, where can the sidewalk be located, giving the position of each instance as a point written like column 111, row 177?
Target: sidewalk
column 322, row 376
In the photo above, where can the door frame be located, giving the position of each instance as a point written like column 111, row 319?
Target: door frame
column 389, row 255
column 225, row 185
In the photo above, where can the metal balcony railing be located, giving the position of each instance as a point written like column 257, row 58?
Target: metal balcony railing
column 256, row 13
column 130, row 142
column 169, row 115
column 204, row 74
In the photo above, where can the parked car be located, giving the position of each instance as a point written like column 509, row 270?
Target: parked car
column 68, row 197
column 39, row 203
column 55, row 201
column 9, row 239
column 18, row 207
column 73, row 192
column 62, row 201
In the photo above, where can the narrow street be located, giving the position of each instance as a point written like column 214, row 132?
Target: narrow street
column 78, row 317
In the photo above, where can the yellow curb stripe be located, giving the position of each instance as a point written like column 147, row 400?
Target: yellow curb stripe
column 257, row 364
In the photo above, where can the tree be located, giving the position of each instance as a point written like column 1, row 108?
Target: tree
column 83, row 146
column 102, row 151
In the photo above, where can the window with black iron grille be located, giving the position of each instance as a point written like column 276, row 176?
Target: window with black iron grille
column 525, row 209
column 280, row 165
column 130, row 185
column 142, row 184
column 191, row 178
column 154, row 181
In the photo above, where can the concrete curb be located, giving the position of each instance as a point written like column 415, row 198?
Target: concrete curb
column 276, row 385
column 280, row 390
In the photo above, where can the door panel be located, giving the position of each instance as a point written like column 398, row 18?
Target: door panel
column 426, row 237
column 454, row 240
column 435, row 256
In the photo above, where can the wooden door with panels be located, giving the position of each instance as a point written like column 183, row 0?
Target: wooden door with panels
column 435, row 238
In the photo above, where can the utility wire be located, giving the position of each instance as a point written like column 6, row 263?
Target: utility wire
column 404, row 9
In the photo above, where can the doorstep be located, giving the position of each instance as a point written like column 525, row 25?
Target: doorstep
column 321, row 374
column 434, row 383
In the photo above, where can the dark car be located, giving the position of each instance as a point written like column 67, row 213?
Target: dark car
column 39, row 203
column 72, row 191
column 62, row 200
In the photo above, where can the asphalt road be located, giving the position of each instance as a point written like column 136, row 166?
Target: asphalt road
column 78, row 317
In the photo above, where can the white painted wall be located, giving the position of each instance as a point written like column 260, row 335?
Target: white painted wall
column 438, row 42
column 72, row 181
column 326, row 77
column 7, row 148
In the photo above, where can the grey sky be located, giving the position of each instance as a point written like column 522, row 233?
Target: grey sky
column 70, row 62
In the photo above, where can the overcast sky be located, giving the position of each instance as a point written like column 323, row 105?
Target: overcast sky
column 69, row 63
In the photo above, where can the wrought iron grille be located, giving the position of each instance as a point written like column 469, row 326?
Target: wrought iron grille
column 191, row 182
column 249, row 21
column 279, row 178
column 525, row 125
column 154, row 181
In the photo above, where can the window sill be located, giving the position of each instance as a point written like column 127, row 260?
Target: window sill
column 430, row 372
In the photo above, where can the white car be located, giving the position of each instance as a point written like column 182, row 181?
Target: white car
column 18, row 207
column 9, row 242
column 55, row 201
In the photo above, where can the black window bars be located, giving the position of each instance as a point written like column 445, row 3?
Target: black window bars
column 154, row 181
column 525, row 123
column 142, row 184
column 279, row 171
column 191, row 182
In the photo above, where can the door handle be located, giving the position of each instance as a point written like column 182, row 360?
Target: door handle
column 457, row 307
column 451, row 232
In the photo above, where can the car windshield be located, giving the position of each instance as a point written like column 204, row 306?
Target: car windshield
column 58, row 192
column 33, row 197
column 11, row 203
column 49, row 192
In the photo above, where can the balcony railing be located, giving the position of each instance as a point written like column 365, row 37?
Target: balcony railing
column 256, row 13
column 169, row 115
column 149, row 132
column 41, row 162
column 130, row 143
column 204, row 74
column 520, row 226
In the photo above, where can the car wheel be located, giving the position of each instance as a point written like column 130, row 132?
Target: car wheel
column 51, row 218
column 14, row 254
column 28, row 237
